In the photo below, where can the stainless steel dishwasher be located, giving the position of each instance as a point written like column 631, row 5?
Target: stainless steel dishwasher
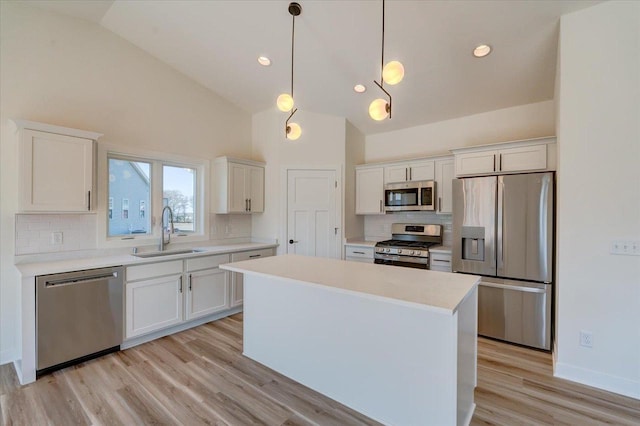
column 79, row 315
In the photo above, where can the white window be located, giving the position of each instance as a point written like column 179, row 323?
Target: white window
column 140, row 186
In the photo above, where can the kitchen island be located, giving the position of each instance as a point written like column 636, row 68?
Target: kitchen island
column 396, row 344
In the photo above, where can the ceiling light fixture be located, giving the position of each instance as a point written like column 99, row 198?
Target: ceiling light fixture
column 264, row 61
column 359, row 88
column 391, row 73
column 285, row 100
column 481, row 51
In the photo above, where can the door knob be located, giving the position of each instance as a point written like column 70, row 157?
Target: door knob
column 292, row 242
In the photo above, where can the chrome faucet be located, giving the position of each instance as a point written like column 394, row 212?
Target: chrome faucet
column 162, row 241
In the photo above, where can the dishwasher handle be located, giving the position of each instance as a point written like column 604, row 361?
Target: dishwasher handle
column 79, row 280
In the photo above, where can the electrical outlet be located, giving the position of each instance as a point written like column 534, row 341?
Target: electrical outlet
column 625, row 247
column 586, row 339
column 56, row 238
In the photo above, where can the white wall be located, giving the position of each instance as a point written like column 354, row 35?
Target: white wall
column 72, row 73
column 322, row 144
column 354, row 155
column 599, row 196
column 520, row 122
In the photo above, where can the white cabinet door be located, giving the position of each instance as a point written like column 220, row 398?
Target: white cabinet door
column 255, row 191
column 393, row 174
column 153, row 305
column 444, row 176
column 473, row 163
column 370, row 190
column 238, row 198
column 207, row 292
column 422, row 170
column 56, row 172
column 523, row 158
column 237, row 290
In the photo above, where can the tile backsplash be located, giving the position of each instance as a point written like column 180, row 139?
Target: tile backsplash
column 378, row 227
column 34, row 232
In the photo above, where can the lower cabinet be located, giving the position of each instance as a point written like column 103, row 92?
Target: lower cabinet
column 358, row 253
column 153, row 304
column 237, row 278
column 207, row 289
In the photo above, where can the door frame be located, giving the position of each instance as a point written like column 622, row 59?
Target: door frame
column 284, row 204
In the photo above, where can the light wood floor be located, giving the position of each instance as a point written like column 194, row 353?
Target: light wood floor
column 200, row 377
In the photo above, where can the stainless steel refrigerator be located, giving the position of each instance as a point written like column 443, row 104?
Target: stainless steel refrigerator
column 503, row 230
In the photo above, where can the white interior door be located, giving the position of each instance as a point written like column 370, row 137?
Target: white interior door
column 312, row 228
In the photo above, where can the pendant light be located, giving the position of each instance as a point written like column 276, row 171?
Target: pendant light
column 285, row 101
column 391, row 73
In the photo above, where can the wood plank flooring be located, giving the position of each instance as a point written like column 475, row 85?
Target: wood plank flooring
column 199, row 376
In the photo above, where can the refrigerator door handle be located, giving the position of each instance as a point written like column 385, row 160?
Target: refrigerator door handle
column 514, row 287
column 500, row 226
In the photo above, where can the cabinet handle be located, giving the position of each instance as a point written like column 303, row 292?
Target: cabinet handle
column 500, row 163
column 441, row 260
column 189, row 282
column 254, row 255
column 494, row 163
column 358, row 252
column 180, row 288
column 439, row 204
column 249, row 204
column 410, row 174
column 406, row 174
column 246, row 204
column 88, row 200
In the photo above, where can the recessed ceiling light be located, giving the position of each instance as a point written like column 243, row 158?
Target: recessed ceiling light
column 481, row 51
column 264, row 61
column 359, row 88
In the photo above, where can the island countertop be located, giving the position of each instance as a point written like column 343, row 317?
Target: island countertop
column 433, row 290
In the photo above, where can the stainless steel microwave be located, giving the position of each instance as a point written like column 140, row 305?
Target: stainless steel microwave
column 410, row 196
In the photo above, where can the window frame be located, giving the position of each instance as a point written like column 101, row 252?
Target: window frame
column 153, row 210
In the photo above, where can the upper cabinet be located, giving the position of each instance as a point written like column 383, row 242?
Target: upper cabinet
column 56, row 168
column 370, row 190
column 444, row 175
column 238, row 185
column 404, row 172
column 510, row 157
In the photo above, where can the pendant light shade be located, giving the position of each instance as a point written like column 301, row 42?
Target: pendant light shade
column 393, row 73
column 284, row 102
column 293, row 131
column 379, row 109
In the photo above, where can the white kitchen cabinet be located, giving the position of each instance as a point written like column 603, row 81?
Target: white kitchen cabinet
column 207, row 286
column 440, row 260
column 237, row 293
column 56, row 168
column 414, row 171
column 509, row 157
column 358, row 253
column 445, row 172
column 153, row 304
column 239, row 186
column 370, row 190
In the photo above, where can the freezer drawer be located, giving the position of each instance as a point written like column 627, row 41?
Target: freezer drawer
column 515, row 311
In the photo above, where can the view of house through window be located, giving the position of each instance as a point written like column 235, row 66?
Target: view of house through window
column 131, row 186
column 128, row 181
column 178, row 190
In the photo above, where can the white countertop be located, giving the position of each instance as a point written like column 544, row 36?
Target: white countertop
column 53, row 267
column 428, row 289
column 440, row 249
column 360, row 243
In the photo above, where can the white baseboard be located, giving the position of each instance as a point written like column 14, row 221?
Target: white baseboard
column 596, row 379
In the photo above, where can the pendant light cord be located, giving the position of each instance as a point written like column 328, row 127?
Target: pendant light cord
column 382, row 59
column 293, row 33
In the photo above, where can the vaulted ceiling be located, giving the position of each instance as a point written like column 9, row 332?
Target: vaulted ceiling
column 338, row 44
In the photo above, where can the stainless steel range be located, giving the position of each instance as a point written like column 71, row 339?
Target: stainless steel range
column 409, row 245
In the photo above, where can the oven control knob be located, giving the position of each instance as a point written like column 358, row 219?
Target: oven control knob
column 418, row 253
column 387, row 250
column 399, row 251
column 412, row 252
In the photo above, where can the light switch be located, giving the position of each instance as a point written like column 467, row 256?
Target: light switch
column 625, row 247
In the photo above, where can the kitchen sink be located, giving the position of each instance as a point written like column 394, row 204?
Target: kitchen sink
column 166, row 253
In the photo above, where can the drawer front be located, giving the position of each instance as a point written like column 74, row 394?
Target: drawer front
column 359, row 252
column 440, row 262
column 153, row 270
column 359, row 259
column 253, row 254
column 206, row 262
